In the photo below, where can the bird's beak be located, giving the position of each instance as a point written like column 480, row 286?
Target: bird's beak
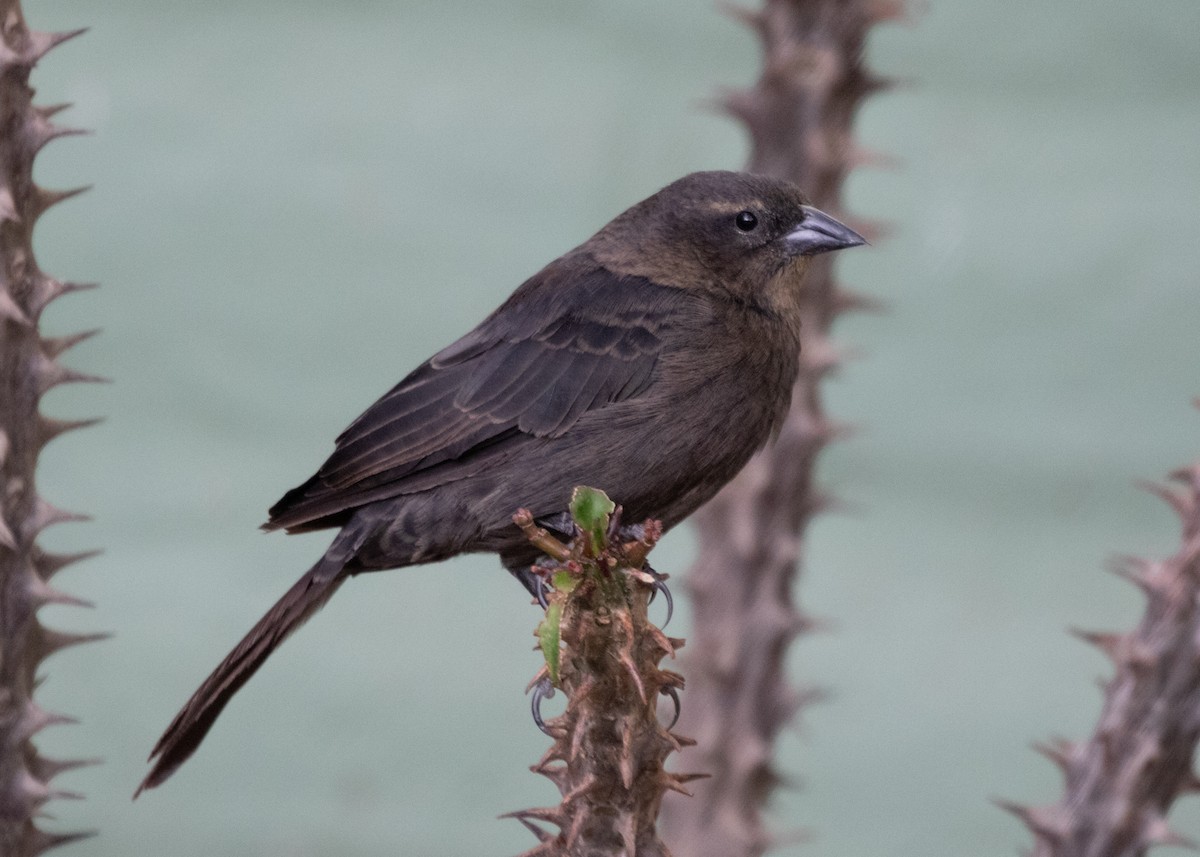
column 820, row 233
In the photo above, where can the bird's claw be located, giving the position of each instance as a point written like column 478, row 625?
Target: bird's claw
column 543, row 689
column 669, row 690
column 561, row 523
column 660, row 585
column 543, row 587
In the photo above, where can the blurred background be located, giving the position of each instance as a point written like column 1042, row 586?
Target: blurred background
column 296, row 202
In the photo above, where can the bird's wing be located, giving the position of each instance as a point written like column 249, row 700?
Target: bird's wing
column 565, row 343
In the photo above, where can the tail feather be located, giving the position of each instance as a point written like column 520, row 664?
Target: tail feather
column 194, row 720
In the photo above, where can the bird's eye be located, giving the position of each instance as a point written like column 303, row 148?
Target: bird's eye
column 745, row 220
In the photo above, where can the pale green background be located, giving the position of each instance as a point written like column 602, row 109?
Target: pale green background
column 296, row 202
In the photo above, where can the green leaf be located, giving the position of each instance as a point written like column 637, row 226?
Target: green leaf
column 548, row 638
column 590, row 507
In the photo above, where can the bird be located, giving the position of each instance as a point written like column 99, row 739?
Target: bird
column 651, row 361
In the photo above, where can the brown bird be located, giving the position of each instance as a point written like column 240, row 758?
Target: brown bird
column 651, row 361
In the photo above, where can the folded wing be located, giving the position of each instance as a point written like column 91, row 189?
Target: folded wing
column 568, row 341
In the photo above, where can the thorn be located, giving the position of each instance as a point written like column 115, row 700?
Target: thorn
column 628, row 834
column 672, row 783
column 42, row 42
column 1058, row 751
column 54, row 641
column 41, row 131
column 1111, row 644
column 44, row 199
column 49, row 564
column 8, row 307
column 551, row 815
column 1183, row 505
column 741, row 104
column 47, row 769
column 50, row 428
column 554, row 773
column 588, row 782
column 46, row 111
column 65, row 794
column 632, row 671
column 1042, row 821
column 572, row 832
column 662, row 641
column 1138, row 571
column 542, row 834
column 54, row 346
column 48, row 289
column 43, row 593
column 35, row 719
column 625, row 765
column 43, row 841
column 55, row 375
column 46, row 515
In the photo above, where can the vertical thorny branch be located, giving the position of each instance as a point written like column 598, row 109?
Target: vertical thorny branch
column 610, row 750
column 1121, row 782
column 28, row 369
column 799, row 115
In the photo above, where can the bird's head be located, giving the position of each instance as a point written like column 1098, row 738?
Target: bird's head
column 746, row 235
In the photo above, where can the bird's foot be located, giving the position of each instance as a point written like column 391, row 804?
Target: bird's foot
column 537, row 578
column 543, row 689
column 669, row 690
column 561, row 524
column 660, row 585
column 544, row 588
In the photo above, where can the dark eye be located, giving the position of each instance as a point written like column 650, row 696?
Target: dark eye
column 745, row 220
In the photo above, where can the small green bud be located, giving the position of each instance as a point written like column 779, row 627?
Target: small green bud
column 591, row 508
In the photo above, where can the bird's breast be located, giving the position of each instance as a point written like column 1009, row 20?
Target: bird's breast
column 719, row 392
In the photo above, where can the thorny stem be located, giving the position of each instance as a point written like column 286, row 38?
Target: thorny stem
column 1121, row 782
column 799, row 115
column 609, row 752
column 28, row 369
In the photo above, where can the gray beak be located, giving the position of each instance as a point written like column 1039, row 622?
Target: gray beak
column 820, row 233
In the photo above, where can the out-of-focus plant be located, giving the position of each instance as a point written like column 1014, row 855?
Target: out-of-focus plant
column 1120, row 783
column 29, row 368
column 799, row 116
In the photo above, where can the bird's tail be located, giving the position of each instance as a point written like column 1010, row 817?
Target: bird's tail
column 194, row 720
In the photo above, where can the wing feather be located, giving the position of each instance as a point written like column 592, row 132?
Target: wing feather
column 567, row 342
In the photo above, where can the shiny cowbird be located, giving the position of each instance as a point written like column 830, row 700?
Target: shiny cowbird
column 651, row 361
